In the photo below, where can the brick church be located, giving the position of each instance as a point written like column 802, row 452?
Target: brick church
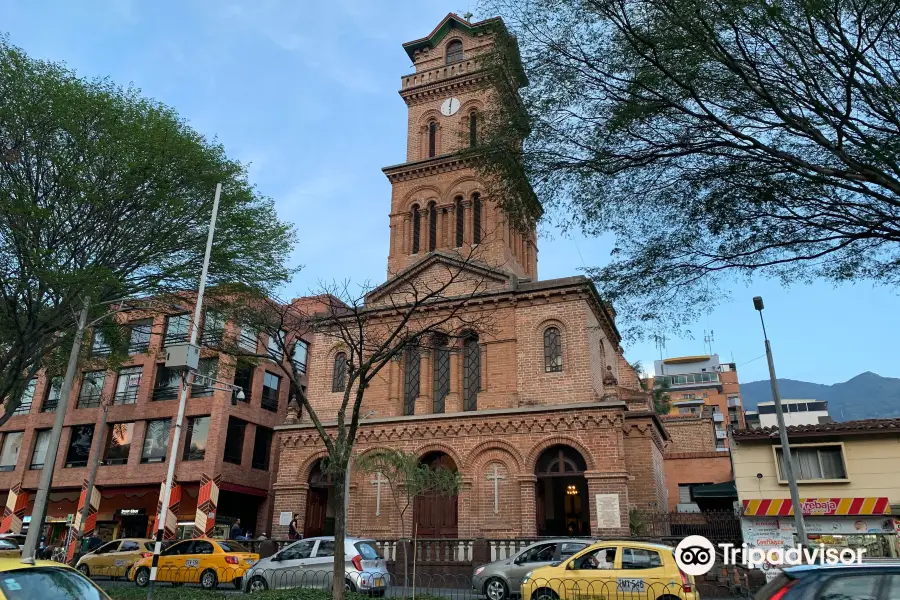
column 542, row 416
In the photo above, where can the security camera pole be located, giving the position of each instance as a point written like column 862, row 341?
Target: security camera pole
column 185, row 385
column 788, row 462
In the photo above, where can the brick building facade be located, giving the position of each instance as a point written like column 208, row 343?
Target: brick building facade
column 540, row 413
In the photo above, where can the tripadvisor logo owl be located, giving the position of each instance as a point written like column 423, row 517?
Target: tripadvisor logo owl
column 695, row 555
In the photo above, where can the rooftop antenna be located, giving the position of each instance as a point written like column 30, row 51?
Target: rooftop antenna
column 708, row 339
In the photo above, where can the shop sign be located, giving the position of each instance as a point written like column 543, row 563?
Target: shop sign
column 131, row 512
column 822, row 525
column 812, row 507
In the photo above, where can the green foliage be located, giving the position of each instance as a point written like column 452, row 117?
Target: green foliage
column 712, row 140
column 662, row 401
column 637, row 522
column 407, row 476
column 106, row 194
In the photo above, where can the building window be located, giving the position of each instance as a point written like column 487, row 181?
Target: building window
column 156, row 440
column 553, row 361
column 204, row 380
column 127, row 385
column 473, row 129
column 817, row 462
column 416, row 228
column 432, row 139
column 39, row 454
column 243, row 378
column 140, row 336
column 12, row 443
column 460, row 221
column 720, row 444
column 271, row 385
column 441, row 364
column 168, row 383
column 177, row 329
column 412, row 363
column 262, row 444
column 339, row 373
column 300, row 352
column 234, row 441
column 213, row 328
column 684, row 493
column 432, row 226
column 91, row 389
column 27, row 399
column 454, row 52
column 471, row 372
column 51, row 399
column 195, row 438
column 118, row 444
column 476, row 218
column 276, row 346
column 99, row 346
column 247, row 339
column 79, row 446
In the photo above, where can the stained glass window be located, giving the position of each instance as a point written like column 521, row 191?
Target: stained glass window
column 412, row 366
column 553, row 361
column 471, row 373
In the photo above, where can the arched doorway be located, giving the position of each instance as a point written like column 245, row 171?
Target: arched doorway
column 319, row 503
column 562, row 495
column 434, row 515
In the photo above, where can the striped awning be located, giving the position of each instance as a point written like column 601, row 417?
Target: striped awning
column 825, row 507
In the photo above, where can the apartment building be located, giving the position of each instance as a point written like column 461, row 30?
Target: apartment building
column 803, row 411
column 226, row 444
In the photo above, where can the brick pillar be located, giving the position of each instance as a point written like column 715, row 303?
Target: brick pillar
column 611, row 487
column 395, row 383
column 170, row 528
column 467, row 221
column 290, row 498
column 90, row 522
column 453, row 402
column 466, row 527
column 528, row 504
column 424, row 404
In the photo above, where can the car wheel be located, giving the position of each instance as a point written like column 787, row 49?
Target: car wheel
column 208, row 580
column 142, row 577
column 348, row 586
column 257, row 584
column 496, row 589
column 84, row 570
column 545, row 594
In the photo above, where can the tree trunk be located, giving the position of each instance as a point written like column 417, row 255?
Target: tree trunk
column 340, row 528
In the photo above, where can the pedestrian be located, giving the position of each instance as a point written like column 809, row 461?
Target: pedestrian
column 267, row 548
column 235, row 530
column 294, row 528
column 262, row 536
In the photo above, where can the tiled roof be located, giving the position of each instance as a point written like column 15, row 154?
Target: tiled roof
column 865, row 426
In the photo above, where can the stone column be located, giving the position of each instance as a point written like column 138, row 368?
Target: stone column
column 606, row 484
column 528, row 505
column 424, row 404
column 467, row 221
column 394, row 382
column 453, row 402
column 289, row 497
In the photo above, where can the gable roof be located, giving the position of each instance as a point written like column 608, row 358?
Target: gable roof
column 449, row 23
column 864, row 426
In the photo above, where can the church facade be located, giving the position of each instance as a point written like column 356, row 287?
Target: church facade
column 541, row 415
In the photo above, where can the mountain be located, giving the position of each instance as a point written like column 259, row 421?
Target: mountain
column 866, row 396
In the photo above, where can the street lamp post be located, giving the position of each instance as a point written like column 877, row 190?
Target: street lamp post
column 788, row 462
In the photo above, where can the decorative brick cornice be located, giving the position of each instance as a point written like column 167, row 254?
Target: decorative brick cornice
column 688, row 455
column 439, row 88
column 426, row 168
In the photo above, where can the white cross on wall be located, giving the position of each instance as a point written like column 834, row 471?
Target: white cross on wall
column 377, row 483
column 496, row 477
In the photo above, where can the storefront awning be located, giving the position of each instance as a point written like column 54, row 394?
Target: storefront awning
column 726, row 489
column 781, row 507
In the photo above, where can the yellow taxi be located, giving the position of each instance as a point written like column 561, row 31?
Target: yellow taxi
column 9, row 549
column 114, row 558
column 611, row 569
column 19, row 581
column 205, row 561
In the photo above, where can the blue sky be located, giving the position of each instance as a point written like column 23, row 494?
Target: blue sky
column 307, row 93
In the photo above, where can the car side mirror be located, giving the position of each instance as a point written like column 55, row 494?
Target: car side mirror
column 276, row 558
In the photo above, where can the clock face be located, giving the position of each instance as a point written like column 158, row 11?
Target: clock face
column 449, row 107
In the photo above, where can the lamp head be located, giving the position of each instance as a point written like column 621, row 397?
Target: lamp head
column 758, row 302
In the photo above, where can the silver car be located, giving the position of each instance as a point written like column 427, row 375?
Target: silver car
column 501, row 579
column 310, row 563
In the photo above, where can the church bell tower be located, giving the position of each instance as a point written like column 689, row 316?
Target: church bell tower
column 438, row 201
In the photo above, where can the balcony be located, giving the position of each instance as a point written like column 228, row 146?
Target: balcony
column 439, row 74
column 718, row 417
column 734, row 401
column 166, row 393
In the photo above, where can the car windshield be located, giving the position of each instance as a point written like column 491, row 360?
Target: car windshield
column 367, row 550
column 232, row 547
column 47, row 583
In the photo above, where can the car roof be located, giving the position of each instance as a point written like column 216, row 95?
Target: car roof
column 12, row 564
column 635, row 544
column 805, row 569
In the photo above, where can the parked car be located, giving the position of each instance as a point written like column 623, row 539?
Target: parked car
column 9, row 549
column 310, row 563
column 43, row 579
column 115, row 558
column 612, row 569
column 501, row 579
column 18, row 538
column 205, row 561
column 866, row 581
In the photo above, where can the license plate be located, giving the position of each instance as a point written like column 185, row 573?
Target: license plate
column 628, row 584
column 192, row 562
column 379, row 582
column 249, row 561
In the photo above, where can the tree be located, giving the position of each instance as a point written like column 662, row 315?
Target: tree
column 662, row 401
column 106, row 195
column 373, row 326
column 713, row 139
column 408, row 479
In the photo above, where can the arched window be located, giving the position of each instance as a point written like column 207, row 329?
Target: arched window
column 553, row 361
column 441, row 363
column 417, row 227
column 471, row 372
column 432, row 139
column 454, row 52
column 432, row 226
column 411, row 369
column 339, row 375
column 476, row 218
column 460, row 221
column 473, row 129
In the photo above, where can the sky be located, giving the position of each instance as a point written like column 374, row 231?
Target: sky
column 306, row 93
